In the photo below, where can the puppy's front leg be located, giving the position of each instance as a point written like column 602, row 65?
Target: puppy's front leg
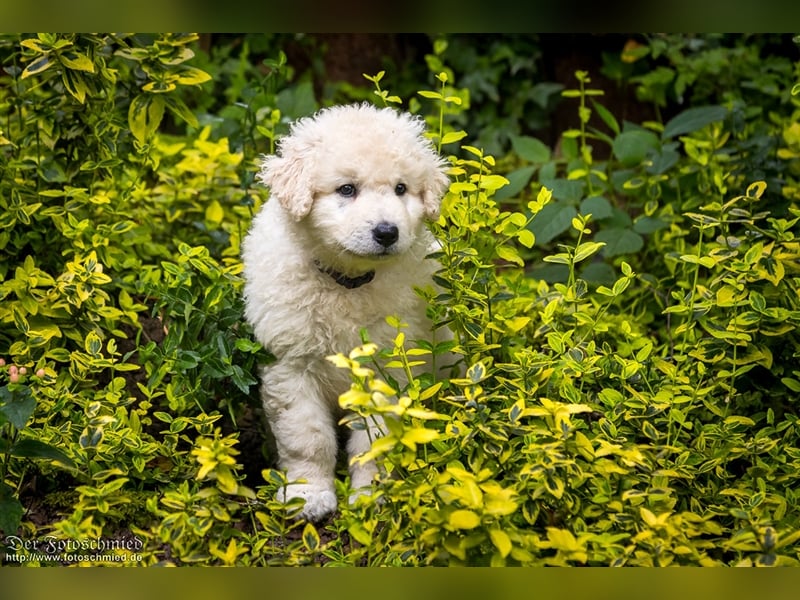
column 305, row 436
column 362, row 473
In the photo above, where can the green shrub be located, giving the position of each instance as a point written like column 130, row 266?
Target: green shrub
column 590, row 427
column 98, row 283
column 625, row 314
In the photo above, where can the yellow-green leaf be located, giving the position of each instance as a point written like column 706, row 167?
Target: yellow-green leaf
column 526, row 238
column 562, row 539
column 586, row 249
column 178, row 108
column 418, row 435
column 77, row 61
column 425, row 414
column 430, row 95
column 75, row 85
column 501, row 541
column 193, row 76
column 492, row 182
column 144, row 116
column 453, row 136
column 499, row 506
column 462, row 186
column 215, row 212
column 510, row 254
column 755, row 190
column 464, row 519
column 205, row 468
column 359, row 534
column 379, row 447
column 517, row 323
column 37, row 66
column 33, row 44
column 226, row 482
column 310, row 537
column 430, row 391
column 93, row 344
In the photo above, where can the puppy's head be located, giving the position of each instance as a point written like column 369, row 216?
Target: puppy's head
column 362, row 178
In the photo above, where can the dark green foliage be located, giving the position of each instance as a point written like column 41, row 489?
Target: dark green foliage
column 625, row 305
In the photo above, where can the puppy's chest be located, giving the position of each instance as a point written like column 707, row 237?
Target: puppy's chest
column 354, row 310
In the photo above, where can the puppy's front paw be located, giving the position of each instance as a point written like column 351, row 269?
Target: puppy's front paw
column 320, row 502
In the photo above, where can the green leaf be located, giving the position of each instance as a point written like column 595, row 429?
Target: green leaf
column 663, row 159
column 598, row 272
column 17, row 406
column 296, row 101
column 619, row 241
column 517, row 181
column 598, row 207
column 645, row 225
column 30, row 448
column 565, row 190
column 553, row 220
column 607, row 117
column 792, row 384
column 11, row 510
column 530, row 149
column 693, row 119
column 631, row 147
column 178, row 108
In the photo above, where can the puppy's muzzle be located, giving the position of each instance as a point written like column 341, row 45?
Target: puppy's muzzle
column 386, row 234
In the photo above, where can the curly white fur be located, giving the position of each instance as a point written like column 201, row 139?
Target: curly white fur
column 350, row 189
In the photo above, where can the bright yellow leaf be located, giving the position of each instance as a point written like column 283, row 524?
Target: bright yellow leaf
column 464, row 519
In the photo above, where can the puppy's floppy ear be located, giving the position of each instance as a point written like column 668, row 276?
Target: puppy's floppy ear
column 435, row 188
column 288, row 181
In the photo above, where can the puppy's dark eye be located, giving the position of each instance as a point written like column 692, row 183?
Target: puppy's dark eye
column 400, row 189
column 348, row 190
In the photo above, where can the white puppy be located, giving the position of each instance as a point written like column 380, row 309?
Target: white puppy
column 339, row 247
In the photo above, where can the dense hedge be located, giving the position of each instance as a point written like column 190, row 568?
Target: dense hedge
column 625, row 304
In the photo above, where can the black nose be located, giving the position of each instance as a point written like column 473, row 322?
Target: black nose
column 385, row 233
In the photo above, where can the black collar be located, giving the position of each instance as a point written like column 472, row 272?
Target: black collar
column 343, row 280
